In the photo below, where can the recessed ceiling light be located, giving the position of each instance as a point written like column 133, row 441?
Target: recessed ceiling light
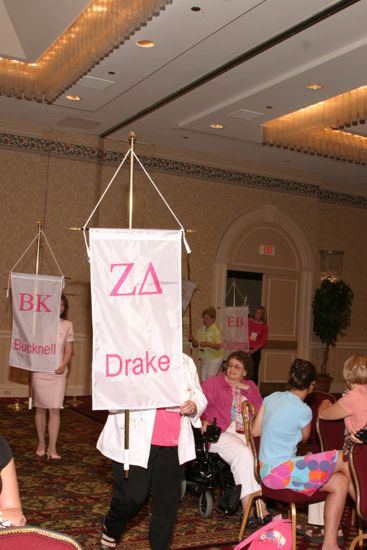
column 145, row 43
column 313, row 86
column 217, row 126
column 73, row 97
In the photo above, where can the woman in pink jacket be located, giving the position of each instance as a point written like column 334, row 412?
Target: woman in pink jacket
column 225, row 394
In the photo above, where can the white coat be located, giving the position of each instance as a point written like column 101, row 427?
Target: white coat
column 111, row 440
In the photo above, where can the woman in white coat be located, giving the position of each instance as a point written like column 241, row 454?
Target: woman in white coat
column 160, row 440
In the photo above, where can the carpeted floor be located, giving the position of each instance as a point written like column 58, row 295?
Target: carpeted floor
column 72, row 495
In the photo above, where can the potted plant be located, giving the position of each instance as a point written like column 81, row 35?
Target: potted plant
column 332, row 308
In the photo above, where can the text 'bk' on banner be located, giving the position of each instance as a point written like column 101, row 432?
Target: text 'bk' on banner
column 137, row 319
column 36, row 314
column 234, row 329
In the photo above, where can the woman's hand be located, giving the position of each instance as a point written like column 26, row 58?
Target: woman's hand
column 188, row 408
column 60, row 370
column 204, row 425
column 354, row 438
column 14, row 516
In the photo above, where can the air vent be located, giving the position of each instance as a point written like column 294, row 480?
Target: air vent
column 244, row 114
column 95, row 83
column 80, row 123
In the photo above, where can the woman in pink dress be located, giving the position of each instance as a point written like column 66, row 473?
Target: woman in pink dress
column 49, row 388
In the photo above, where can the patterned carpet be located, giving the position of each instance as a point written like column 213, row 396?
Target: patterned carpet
column 72, row 495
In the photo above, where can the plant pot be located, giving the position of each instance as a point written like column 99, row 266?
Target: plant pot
column 323, row 382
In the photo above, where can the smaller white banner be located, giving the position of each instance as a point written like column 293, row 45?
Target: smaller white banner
column 188, row 289
column 36, row 314
column 234, row 329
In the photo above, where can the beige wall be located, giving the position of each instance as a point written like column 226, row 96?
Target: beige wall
column 59, row 187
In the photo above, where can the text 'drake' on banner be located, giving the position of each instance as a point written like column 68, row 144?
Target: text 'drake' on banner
column 137, row 318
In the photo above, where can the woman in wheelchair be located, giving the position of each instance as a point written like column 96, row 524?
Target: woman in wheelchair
column 225, row 394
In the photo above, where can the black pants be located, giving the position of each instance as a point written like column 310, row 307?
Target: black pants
column 256, row 358
column 164, row 475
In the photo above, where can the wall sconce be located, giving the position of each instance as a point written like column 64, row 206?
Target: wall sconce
column 331, row 264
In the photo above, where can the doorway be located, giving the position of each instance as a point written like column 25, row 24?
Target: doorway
column 244, row 288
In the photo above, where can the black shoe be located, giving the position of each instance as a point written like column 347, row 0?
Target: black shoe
column 252, row 523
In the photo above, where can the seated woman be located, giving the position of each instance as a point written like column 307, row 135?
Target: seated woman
column 10, row 507
column 225, row 394
column 283, row 421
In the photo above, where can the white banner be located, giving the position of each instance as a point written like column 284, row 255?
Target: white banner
column 234, row 329
column 188, row 289
column 137, row 319
column 36, row 314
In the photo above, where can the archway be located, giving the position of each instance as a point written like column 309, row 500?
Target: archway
column 287, row 282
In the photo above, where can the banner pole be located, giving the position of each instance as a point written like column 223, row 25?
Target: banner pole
column 132, row 139
column 190, row 309
column 38, row 255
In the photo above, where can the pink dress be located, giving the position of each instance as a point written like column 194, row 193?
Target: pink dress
column 48, row 387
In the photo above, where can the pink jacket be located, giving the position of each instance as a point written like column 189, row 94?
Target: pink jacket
column 219, row 395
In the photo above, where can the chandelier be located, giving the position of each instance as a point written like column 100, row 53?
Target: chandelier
column 324, row 129
column 101, row 27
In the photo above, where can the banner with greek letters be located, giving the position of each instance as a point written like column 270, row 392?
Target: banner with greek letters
column 36, row 314
column 137, row 319
column 234, row 329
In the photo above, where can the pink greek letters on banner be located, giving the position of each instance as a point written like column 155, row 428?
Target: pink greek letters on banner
column 137, row 326
column 36, row 313
column 234, row 329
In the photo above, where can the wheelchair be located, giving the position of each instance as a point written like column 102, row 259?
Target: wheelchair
column 208, row 471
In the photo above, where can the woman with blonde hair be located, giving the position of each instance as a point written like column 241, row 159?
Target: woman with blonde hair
column 352, row 406
column 209, row 341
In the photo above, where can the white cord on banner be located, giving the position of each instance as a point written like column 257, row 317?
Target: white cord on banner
column 188, row 250
column 25, row 252
column 54, row 257
column 100, row 200
column 235, row 289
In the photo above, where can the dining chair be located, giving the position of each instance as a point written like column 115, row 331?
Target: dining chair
column 292, row 498
column 313, row 400
column 357, row 464
column 35, row 538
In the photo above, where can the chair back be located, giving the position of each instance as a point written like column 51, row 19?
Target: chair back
column 357, row 464
column 35, row 538
column 248, row 412
column 313, row 400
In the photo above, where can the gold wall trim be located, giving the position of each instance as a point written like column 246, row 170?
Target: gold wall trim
column 27, row 144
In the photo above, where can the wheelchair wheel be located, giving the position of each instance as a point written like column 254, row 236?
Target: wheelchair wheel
column 206, row 504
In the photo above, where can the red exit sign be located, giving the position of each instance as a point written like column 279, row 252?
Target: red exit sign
column 267, row 250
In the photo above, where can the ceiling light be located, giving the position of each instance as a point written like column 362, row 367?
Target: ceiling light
column 99, row 8
column 145, row 43
column 217, row 126
column 313, row 87
column 73, row 97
